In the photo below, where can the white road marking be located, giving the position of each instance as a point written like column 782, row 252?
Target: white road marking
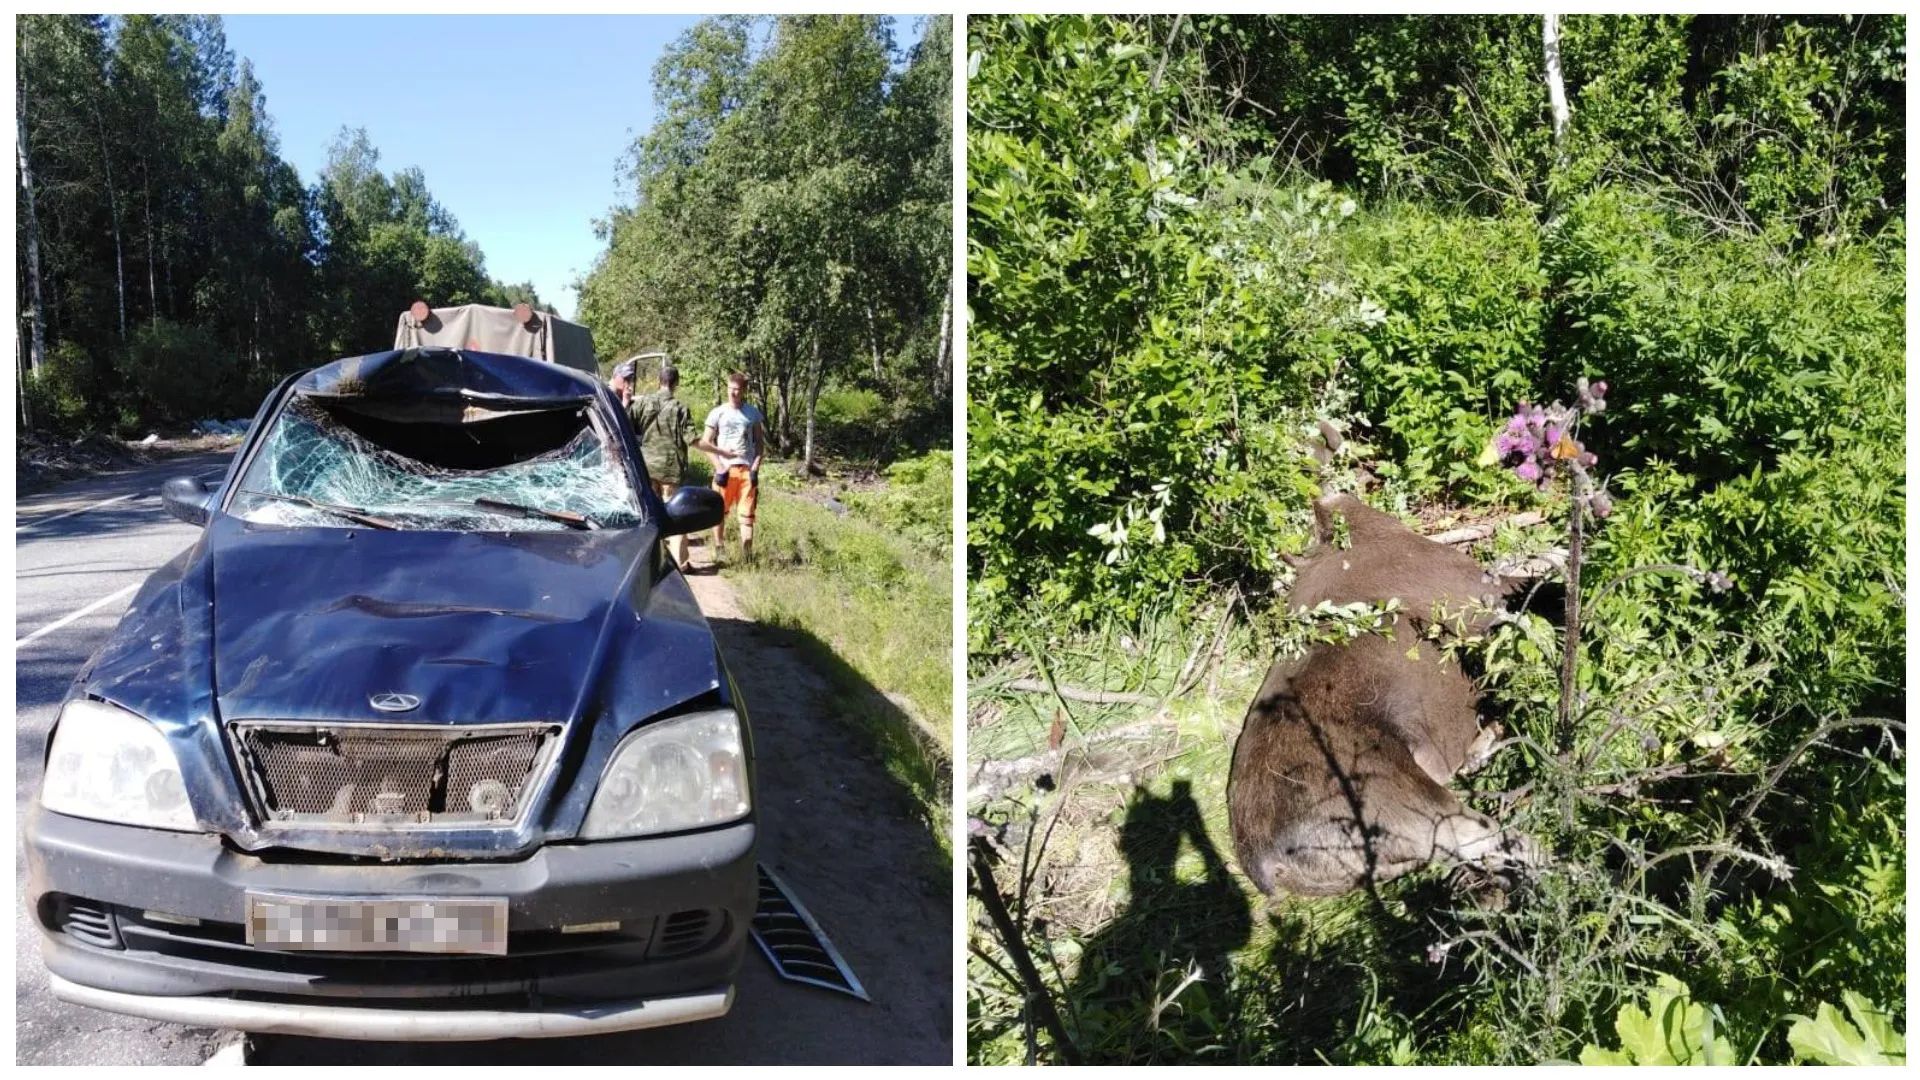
column 82, row 613
column 81, row 510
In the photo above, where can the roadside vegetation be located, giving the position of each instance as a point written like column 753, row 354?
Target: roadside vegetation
column 859, row 576
column 170, row 265
column 791, row 217
column 1193, row 240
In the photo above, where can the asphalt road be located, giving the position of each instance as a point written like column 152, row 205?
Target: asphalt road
column 833, row 826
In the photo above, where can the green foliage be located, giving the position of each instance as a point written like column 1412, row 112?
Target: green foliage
column 917, row 501
column 791, row 217
column 176, row 247
column 1456, row 344
column 66, row 393
column 1834, row 928
column 182, row 372
column 849, row 407
column 1673, row 1029
column 1151, row 332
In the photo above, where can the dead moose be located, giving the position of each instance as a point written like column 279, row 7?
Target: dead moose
column 1339, row 774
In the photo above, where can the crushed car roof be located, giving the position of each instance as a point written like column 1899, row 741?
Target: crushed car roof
column 441, row 372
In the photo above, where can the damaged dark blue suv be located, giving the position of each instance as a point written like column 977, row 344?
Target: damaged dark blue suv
column 423, row 739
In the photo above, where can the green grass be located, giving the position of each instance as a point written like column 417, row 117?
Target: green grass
column 874, row 611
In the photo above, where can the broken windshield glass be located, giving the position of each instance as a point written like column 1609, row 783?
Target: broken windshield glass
column 435, row 471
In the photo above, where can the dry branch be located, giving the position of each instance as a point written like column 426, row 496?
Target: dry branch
column 1074, row 693
column 1468, row 533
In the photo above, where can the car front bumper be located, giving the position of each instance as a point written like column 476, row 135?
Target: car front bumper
column 151, row 923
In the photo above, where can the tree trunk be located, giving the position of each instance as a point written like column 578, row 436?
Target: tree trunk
column 873, row 341
column 1556, row 87
column 37, row 350
column 113, row 213
column 20, row 380
column 943, row 359
column 813, row 396
column 153, row 291
column 786, row 407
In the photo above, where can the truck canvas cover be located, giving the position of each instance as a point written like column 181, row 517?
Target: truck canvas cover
column 542, row 335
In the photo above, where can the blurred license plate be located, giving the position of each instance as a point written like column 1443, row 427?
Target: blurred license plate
column 383, row 925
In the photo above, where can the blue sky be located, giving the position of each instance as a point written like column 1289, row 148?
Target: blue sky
column 448, row 93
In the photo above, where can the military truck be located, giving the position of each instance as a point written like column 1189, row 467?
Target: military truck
column 516, row 331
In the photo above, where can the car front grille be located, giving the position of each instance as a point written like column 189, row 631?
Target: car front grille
column 392, row 774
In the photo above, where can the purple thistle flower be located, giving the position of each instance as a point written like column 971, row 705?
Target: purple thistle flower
column 1529, row 471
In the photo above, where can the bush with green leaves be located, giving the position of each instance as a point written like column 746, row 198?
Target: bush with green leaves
column 1150, row 329
column 65, row 395
column 917, row 501
column 1455, row 343
column 181, row 373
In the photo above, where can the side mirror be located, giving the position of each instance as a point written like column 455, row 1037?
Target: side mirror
column 694, row 507
column 189, row 499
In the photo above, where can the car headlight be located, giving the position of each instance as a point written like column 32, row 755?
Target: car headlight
column 671, row 775
column 110, row 765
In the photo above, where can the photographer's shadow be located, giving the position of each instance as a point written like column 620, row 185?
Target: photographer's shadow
column 1157, row 980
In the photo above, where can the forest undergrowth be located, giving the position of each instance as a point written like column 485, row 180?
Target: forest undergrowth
column 1657, row 347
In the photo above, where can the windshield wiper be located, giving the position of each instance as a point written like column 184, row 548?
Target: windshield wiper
column 349, row 512
column 564, row 517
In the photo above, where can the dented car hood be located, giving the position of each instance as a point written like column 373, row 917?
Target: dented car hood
column 311, row 623
column 270, row 622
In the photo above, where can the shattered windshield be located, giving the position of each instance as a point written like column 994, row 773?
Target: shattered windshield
column 425, row 467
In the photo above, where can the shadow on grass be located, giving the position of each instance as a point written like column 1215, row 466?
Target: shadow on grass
column 1155, row 979
column 1193, row 970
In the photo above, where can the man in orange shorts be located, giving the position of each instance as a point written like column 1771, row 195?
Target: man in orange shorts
column 740, row 432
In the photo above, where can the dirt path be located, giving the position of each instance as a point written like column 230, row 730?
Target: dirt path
column 846, row 837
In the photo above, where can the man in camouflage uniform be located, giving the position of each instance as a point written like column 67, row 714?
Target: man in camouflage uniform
column 664, row 427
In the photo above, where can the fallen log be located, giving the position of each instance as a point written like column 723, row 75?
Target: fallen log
column 1115, row 750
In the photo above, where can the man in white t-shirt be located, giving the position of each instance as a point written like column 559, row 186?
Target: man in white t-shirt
column 740, row 431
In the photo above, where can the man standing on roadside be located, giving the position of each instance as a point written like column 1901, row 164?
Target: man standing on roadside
column 663, row 427
column 739, row 431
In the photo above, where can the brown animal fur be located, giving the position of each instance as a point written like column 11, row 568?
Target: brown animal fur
column 1337, row 777
column 1385, row 560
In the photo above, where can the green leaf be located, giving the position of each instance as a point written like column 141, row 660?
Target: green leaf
column 1828, row 1039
